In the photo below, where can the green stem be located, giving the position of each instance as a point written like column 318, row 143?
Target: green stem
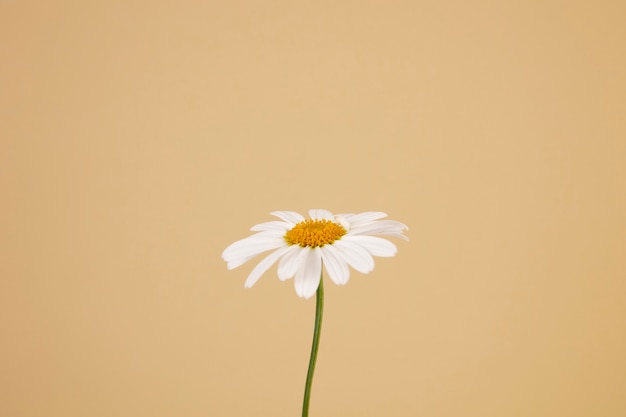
column 319, row 309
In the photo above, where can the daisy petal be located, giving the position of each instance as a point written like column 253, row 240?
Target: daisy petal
column 319, row 214
column 264, row 265
column 308, row 274
column 355, row 255
column 376, row 246
column 345, row 217
column 381, row 227
column 289, row 263
column 363, row 218
column 243, row 250
column 290, row 217
column 272, row 226
column 396, row 234
column 336, row 267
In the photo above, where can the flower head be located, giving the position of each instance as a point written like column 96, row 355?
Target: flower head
column 304, row 245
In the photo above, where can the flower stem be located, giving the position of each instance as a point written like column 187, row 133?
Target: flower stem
column 319, row 309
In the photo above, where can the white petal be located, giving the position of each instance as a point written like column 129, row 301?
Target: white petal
column 356, row 256
column 272, row 226
column 243, row 250
column 290, row 217
column 374, row 245
column 290, row 262
column 261, row 236
column 336, row 267
column 368, row 216
column 308, row 275
column 381, row 227
column 344, row 220
column 264, row 265
column 396, row 234
column 320, row 214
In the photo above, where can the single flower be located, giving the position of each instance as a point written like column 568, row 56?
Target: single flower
column 304, row 245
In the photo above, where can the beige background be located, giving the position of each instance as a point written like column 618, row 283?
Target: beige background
column 141, row 138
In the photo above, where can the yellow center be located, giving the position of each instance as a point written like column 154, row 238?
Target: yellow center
column 314, row 233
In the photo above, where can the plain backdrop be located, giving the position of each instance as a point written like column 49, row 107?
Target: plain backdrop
column 140, row 138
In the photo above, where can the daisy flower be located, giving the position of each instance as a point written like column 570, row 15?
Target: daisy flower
column 301, row 246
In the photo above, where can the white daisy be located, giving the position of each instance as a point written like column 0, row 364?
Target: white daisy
column 303, row 245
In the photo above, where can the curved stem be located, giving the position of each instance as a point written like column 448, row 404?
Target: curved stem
column 319, row 309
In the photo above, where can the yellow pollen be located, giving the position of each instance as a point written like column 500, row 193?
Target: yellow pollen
column 314, row 233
